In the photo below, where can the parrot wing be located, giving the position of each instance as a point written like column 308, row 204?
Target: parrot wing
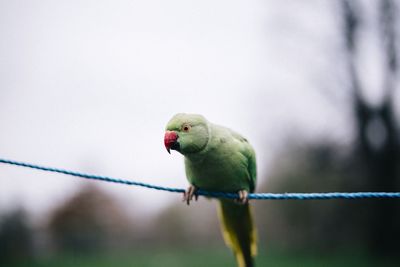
column 250, row 158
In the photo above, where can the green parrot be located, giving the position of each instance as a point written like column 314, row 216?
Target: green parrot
column 219, row 159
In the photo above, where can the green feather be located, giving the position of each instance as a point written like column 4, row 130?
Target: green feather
column 219, row 159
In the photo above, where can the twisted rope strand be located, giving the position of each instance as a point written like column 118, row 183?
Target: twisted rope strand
column 271, row 196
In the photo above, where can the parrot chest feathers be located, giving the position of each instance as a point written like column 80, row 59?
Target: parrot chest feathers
column 222, row 168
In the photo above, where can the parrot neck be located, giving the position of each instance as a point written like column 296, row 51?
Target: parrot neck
column 199, row 156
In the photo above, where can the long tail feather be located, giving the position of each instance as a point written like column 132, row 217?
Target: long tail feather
column 239, row 231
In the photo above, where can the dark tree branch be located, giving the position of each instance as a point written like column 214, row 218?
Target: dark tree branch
column 389, row 38
column 379, row 164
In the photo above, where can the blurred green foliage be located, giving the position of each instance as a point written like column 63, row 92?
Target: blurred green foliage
column 16, row 237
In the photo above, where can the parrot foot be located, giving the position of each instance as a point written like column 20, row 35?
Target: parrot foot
column 243, row 197
column 189, row 194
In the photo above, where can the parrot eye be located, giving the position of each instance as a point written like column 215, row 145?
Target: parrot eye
column 186, row 127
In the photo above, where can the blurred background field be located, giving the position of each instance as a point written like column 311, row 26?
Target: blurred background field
column 203, row 257
column 90, row 85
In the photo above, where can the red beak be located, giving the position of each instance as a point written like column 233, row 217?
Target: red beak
column 170, row 140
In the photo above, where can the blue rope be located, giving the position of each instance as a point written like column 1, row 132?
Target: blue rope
column 272, row 196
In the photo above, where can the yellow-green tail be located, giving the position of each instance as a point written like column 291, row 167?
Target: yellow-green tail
column 239, row 231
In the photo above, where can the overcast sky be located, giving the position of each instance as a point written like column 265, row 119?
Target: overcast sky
column 90, row 85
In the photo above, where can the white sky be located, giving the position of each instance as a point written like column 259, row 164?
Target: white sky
column 90, row 85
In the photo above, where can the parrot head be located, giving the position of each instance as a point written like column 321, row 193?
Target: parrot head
column 186, row 133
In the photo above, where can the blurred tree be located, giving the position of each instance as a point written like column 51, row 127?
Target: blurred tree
column 308, row 225
column 370, row 163
column 91, row 221
column 377, row 144
column 16, row 238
